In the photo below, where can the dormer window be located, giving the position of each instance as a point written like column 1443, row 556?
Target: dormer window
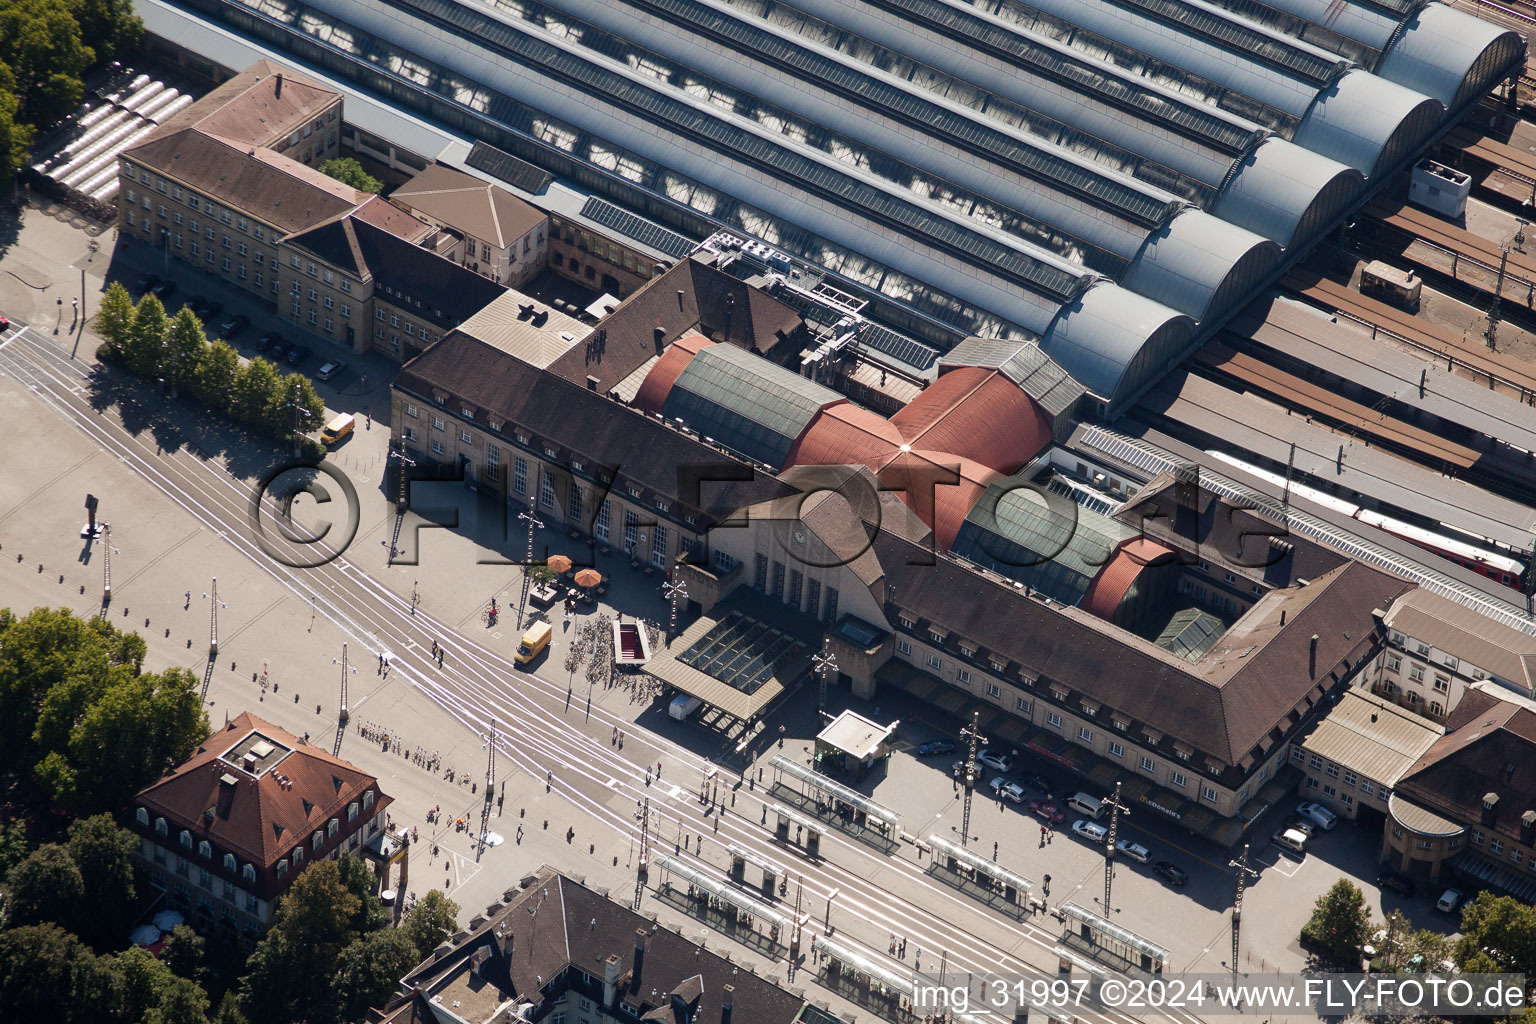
column 495, row 424
column 282, row 869
column 662, row 504
column 160, row 827
column 997, row 666
column 905, row 622
column 248, row 873
column 186, row 839
column 204, row 850
column 523, row 438
column 229, row 863
column 967, row 650
column 352, row 811
column 332, row 826
column 469, row 413
column 142, row 815
column 368, row 799
column 298, row 856
column 577, row 465
column 317, row 840
column 634, row 492
column 937, row 638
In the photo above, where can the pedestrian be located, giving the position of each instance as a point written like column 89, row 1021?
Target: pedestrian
column 381, row 665
column 189, row 599
column 994, row 851
column 658, row 769
column 1042, row 835
column 1049, row 835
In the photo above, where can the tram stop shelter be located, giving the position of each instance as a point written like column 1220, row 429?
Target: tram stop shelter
column 1096, row 935
column 853, row 744
column 738, row 659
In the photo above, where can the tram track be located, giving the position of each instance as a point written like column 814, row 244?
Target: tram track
column 479, row 688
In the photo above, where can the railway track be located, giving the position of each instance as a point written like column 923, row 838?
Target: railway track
column 481, row 686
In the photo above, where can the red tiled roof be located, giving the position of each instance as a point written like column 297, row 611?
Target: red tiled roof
column 653, row 391
column 845, row 434
column 1109, row 587
column 261, row 818
column 980, row 414
column 941, row 488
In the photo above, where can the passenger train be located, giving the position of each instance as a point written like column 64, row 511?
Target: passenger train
column 1492, row 564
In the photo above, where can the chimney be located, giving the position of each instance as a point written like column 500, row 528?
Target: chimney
column 478, row 958
column 1528, row 828
column 278, row 89
column 248, row 762
column 1312, row 658
column 634, row 978
column 1282, row 616
column 611, row 978
column 679, row 299
column 659, row 338
column 725, row 1004
column 227, row 786
column 1490, row 814
column 591, row 383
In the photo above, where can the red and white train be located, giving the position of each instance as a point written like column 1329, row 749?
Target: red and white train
column 1464, row 552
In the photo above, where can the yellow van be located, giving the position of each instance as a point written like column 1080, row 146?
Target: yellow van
column 534, row 641
column 339, row 427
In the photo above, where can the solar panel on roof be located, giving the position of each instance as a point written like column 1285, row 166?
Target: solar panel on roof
column 514, row 171
column 641, row 230
column 899, row 347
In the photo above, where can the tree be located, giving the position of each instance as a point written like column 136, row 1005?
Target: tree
column 218, row 368
column 13, row 845
column 361, row 883
column 139, row 729
column 145, row 350
column 230, row 1011
column 46, row 887
column 1498, row 935
column 15, row 133
column 114, row 319
column 369, row 970
column 1340, row 923
column 289, row 974
column 348, row 171
column 184, row 351
column 433, row 919
column 108, row 27
column 40, row 42
column 183, row 953
column 103, row 853
column 39, row 965
column 297, row 389
column 255, row 393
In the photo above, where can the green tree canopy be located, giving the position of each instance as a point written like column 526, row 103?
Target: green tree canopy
column 40, row 42
column 1340, row 923
column 183, row 953
column 433, row 919
column 256, row 394
column 109, row 27
column 114, row 318
column 296, row 389
column 369, row 970
column 1498, row 934
column 145, row 348
column 218, row 368
column 45, row 887
column 184, row 351
column 104, row 854
column 348, row 171
column 291, row 974
column 38, row 965
column 15, row 133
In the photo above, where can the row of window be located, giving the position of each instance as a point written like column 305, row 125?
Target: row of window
column 1411, row 698
column 205, row 849
column 812, row 600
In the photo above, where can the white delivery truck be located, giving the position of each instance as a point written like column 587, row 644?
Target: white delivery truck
column 683, row 706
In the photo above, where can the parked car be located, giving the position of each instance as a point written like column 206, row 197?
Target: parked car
column 1047, row 810
column 1306, row 826
column 145, row 283
column 297, row 355
column 1035, row 780
column 1400, row 884
column 996, row 760
column 1449, row 901
column 210, row 311
column 1318, row 813
column 1170, row 873
column 164, row 289
column 1090, row 830
column 1005, row 790
column 234, row 325
column 330, row 369
column 1138, row 853
column 270, row 342
column 926, row 749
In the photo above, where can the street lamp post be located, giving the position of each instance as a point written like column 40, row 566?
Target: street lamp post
column 972, row 734
column 1243, row 871
column 825, row 664
column 405, row 463
column 674, row 589
column 527, row 562
column 1116, row 809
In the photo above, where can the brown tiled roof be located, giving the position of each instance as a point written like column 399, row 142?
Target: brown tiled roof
column 556, row 923
column 386, row 216
column 499, row 386
column 711, row 303
column 262, row 816
column 1502, row 650
column 1489, row 747
column 257, row 182
column 258, row 107
column 653, row 391
column 469, row 204
column 449, row 293
column 1224, row 704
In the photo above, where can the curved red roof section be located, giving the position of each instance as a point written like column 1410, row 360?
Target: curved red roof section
column 845, row 435
column 977, row 413
column 653, row 391
column 941, row 488
column 1115, row 579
